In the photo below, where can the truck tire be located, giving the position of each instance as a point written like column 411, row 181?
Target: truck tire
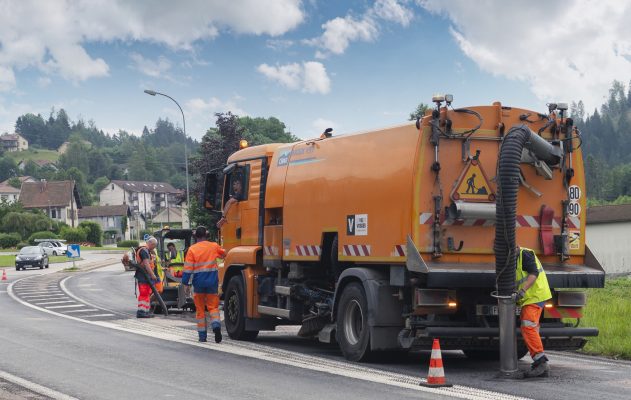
column 234, row 311
column 353, row 332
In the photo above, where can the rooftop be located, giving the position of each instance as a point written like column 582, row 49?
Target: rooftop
column 45, row 194
column 146, row 187
column 104, row 211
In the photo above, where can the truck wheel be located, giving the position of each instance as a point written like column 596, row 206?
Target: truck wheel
column 234, row 311
column 353, row 333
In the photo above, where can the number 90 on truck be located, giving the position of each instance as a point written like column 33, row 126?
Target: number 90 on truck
column 384, row 240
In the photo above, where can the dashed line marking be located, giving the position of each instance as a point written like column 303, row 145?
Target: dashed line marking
column 55, row 302
column 68, row 306
column 34, row 387
column 98, row 315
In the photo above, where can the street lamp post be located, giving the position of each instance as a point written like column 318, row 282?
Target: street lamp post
column 188, row 198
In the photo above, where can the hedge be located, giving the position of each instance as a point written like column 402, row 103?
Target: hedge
column 94, row 232
column 74, row 235
column 9, row 240
column 127, row 243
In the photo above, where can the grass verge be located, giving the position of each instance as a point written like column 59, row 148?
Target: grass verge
column 608, row 310
column 7, row 261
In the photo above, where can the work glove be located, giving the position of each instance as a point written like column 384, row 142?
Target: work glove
column 518, row 295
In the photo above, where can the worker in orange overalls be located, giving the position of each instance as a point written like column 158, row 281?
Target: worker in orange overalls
column 201, row 264
column 145, row 257
column 532, row 293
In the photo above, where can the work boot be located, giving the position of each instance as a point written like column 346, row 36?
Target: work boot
column 202, row 336
column 538, row 369
column 218, row 336
column 143, row 314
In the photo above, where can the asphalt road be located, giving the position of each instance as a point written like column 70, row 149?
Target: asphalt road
column 76, row 335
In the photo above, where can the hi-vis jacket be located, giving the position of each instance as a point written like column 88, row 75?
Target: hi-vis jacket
column 201, row 264
column 540, row 290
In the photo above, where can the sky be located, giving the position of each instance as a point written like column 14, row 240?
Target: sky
column 350, row 65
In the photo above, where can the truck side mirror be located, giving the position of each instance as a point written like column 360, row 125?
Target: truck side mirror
column 211, row 197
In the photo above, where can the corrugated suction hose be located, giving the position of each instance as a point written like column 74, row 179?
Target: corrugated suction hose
column 508, row 181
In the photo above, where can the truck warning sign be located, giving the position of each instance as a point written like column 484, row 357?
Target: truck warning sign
column 473, row 184
column 357, row 225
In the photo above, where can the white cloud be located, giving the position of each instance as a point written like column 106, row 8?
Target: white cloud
column 310, row 77
column 279, row 44
column 340, row 32
column 51, row 35
column 560, row 61
column 154, row 68
column 393, row 11
column 320, row 124
column 200, row 107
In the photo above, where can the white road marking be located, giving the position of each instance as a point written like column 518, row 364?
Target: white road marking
column 92, row 290
column 44, row 391
column 55, row 302
column 98, row 315
column 68, row 306
column 85, row 310
column 42, row 296
column 3, row 291
column 283, row 357
column 86, row 284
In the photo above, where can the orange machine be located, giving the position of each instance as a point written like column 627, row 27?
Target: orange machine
column 384, row 240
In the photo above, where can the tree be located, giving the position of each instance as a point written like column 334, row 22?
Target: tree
column 76, row 156
column 74, row 174
column 8, row 168
column 15, row 182
column 31, row 127
column 419, row 112
column 265, row 130
column 100, row 184
column 94, row 232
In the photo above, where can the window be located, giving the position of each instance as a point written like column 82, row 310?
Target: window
column 237, row 181
column 53, row 213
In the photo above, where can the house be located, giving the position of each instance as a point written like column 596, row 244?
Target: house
column 57, row 199
column 39, row 163
column 146, row 198
column 13, row 142
column 10, row 194
column 168, row 216
column 114, row 220
column 607, row 235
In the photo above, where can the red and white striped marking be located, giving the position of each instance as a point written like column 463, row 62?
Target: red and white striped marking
column 308, row 250
column 356, row 250
column 399, row 250
column 521, row 221
column 270, row 251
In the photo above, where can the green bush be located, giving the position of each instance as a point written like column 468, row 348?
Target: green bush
column 94, row 232
column 41, row 235
column 127, row 243
column 9, row 240
column 74, row 235
column 22, row 244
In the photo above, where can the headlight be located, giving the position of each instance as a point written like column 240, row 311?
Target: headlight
column 39, row 258
column 18, row 258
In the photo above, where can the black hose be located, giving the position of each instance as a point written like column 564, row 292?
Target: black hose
column 508, row 181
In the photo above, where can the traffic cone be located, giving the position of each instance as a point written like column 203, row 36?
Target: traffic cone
column 4, row 274
column 436, row 374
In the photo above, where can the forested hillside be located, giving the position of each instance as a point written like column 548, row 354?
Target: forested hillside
column 93, row 157
column 606, row 144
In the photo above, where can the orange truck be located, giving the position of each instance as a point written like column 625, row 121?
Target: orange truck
column 384, row 240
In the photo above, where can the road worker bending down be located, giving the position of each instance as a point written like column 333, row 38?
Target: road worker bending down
column 201, row 264
column 532, row 292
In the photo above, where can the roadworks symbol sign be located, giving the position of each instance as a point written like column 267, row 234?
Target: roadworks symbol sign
column 473, row 185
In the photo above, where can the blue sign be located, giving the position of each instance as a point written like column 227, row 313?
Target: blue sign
column 74, row 251
column 147, row 236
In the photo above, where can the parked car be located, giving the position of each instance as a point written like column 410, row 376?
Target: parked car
column 31, row 257
column 54, row 247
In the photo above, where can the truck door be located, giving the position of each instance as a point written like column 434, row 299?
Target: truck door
column 245, row 184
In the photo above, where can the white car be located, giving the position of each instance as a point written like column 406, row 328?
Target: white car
column 53, row 248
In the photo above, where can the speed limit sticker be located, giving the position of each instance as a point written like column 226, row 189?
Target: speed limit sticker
column 574, row 209
column 574, row 193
